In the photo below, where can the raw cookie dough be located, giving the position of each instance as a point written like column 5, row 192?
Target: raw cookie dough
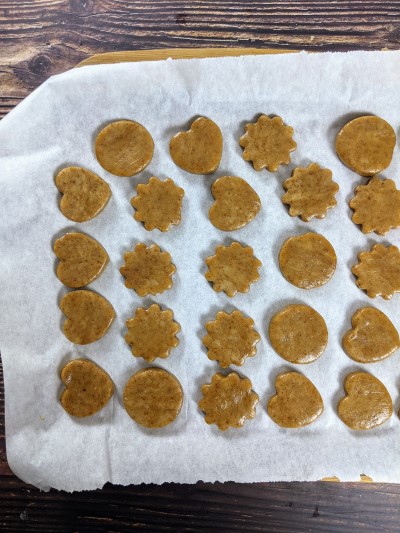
column 89, row 316
column 232, row 269
column 236, row 203
column 298, row 334
column 82, row 259
column 158, row 204
column 307, row 261
column 85, row 194
column 366, row 145
column 153, row 398
column 297, row 402
column 378, row 271
column 367, row 403
column 372, row 337
column 152, row 333
column 198, row 150
column 267, row 143
column 231, row 338
column 228, row 401
column 88, row 388
column 148, row 270
column 310, row 192
column 124, row 148
column 376, row 206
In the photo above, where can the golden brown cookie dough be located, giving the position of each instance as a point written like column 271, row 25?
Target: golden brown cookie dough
column 232, row 269
column 307, row 261
column 297, row 402
column 231, row 338
column 152, row 333
column 82, row 259
column 228, row 401
column 298, row 334
column 124, row 148
column 267, row 143
column 376, row 206
column 367, row 403
column 372, row 337
column 89, row 316
column 236, row 203
column 310, row 192
column 198, row 150
column 85, row 194
column 378, row 271
column 158, row 204
column 148, row 270
column 153, row 398
column 366, row 145
column 88, row 388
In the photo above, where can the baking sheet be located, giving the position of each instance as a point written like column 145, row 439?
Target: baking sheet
column 55, row 127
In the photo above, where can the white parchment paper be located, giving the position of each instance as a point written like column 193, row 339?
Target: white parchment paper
column 55, row 127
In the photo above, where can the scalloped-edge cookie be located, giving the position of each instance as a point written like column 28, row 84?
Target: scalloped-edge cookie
column 267, row 143
column 148, row 270
column 231, row 338
column 158, row 204
column 378, row 271
column 232, row 269
column 228, row 401
column 152, row 333
column 310, row 192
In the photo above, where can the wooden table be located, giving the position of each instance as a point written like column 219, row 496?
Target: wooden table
column 39, row 38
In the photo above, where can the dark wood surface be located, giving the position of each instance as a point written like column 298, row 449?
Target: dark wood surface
column 39, row 38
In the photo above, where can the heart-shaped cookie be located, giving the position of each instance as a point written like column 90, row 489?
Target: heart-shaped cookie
column 82, row 259
column 236, row 203
column 85, row 194
column 198, row 150
column 88, row 388
column 367, row 403
column 372, row 338
column 89, row 316
column 296, row 403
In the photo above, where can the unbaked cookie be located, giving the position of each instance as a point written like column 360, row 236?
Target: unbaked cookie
column 267, row 143
column 158, row 204
column 298, row 334
column 148, row 270
column 124, row 148
column 228, row 401
column 153, row 398
column 376, row 206
column 231, row 338
column 297, row 402
column 378, row 271
column 307, row 261
column 236, row 203
column 198, row 150
column 366, row 145
column 152, row 333
column 310, row 192
column 367, row 403
column 232, row 269
column 372, row 337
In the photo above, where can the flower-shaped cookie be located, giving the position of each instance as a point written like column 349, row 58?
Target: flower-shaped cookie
column 378, row 271
column 228, row 401
column 267, row 143
column 152, row 333
column 148, row 270
column 376, row 206
column 233, row 268
column 310, row 192
column 158, row 204
column 231, row 339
